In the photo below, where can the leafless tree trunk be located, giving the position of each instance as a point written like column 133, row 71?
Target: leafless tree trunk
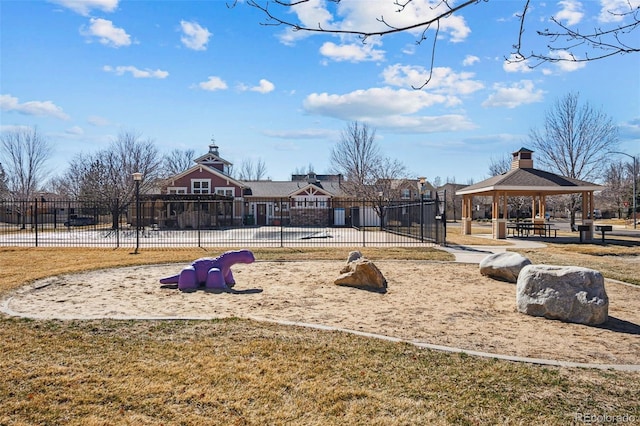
column 575, row 141
column 24, row 154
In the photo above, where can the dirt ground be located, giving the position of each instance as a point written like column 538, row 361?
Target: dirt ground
column 448, row 304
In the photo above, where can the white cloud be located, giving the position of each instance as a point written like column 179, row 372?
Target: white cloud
column 375, row 102
column 98, row 121
column 614, row 10
column 571, row 12
column 37, row 108
column 213, row 84
column 353, row 52
column 512, row 96
column 630, row 129
column 387, row 107
column 106, row 33
column 135, row 72
column 426, row 124
column 470, row 60
column 365, row 16
column 265, row 86
column 515, row 63
column 194, row 36
column 75, row 131
column 566, row 62
column 301, row 134
column 444, row 81
column 312, row 13
column 84, row 7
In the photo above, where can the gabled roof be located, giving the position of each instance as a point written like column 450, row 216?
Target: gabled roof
column 284, row 189
column 308, row 188
column 211, row 170
column 530, row 181
column 209, row 157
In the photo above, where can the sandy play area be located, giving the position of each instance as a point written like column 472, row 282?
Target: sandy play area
column 448, row 304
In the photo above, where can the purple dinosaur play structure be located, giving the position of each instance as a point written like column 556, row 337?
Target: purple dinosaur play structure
column 212, row 272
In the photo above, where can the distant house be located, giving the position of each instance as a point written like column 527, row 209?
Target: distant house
column 305, row 200
column 210, row 175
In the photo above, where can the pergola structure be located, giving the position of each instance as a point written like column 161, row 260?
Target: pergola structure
column 524, row 180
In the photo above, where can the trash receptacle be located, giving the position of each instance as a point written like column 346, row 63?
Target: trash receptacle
column 249, row 219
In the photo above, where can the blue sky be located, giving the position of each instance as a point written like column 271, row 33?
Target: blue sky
column 182, row 72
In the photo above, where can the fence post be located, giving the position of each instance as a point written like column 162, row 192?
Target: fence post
column 198, row 222
column 362, row 225
column 421, row 218
column 281, row 226
column 34, row 219
column 117, row 230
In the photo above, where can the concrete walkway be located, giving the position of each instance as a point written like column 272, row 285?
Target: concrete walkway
column 475, row 254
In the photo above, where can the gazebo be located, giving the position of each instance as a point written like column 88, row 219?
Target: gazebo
column 524, row 180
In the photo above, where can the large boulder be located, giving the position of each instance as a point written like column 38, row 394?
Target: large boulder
column 360, row 272
column 567, row 293
column 504, row 266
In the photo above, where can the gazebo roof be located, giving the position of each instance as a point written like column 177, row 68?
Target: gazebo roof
column 527, row 181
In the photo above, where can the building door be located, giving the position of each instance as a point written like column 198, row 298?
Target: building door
column 261, row 218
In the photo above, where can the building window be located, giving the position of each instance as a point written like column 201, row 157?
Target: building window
column 201, row 186
column 406, row 194
column 226, row 191
column 176, row 190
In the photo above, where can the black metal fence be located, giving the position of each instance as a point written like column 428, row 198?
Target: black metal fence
column 210, row 221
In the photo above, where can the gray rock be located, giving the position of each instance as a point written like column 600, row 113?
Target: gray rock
column 505, row 266
column 361, row 273
column 567, row 293
column 354, row 255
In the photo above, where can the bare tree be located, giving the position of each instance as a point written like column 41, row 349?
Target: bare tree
column 368, row 173
column 563, row 43
column 617, row 184
column 499, row 165
column 24, row 153
column 357, row 157
column 4, row 187
column 105, row 178
column 250, row 170
column 575, row 141
column 304, row 170
column 177, row 161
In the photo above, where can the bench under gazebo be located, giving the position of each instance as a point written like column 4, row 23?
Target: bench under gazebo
column 524, row 180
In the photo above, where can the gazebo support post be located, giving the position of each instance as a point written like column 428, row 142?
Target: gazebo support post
column 587, row 212
column 538, row 210
column 499, row 224
column 467, row 214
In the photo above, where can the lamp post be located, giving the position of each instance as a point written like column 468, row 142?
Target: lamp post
column 137, row 177
column 635, row 173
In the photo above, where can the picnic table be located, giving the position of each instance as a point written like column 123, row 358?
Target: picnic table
column 524, row 229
